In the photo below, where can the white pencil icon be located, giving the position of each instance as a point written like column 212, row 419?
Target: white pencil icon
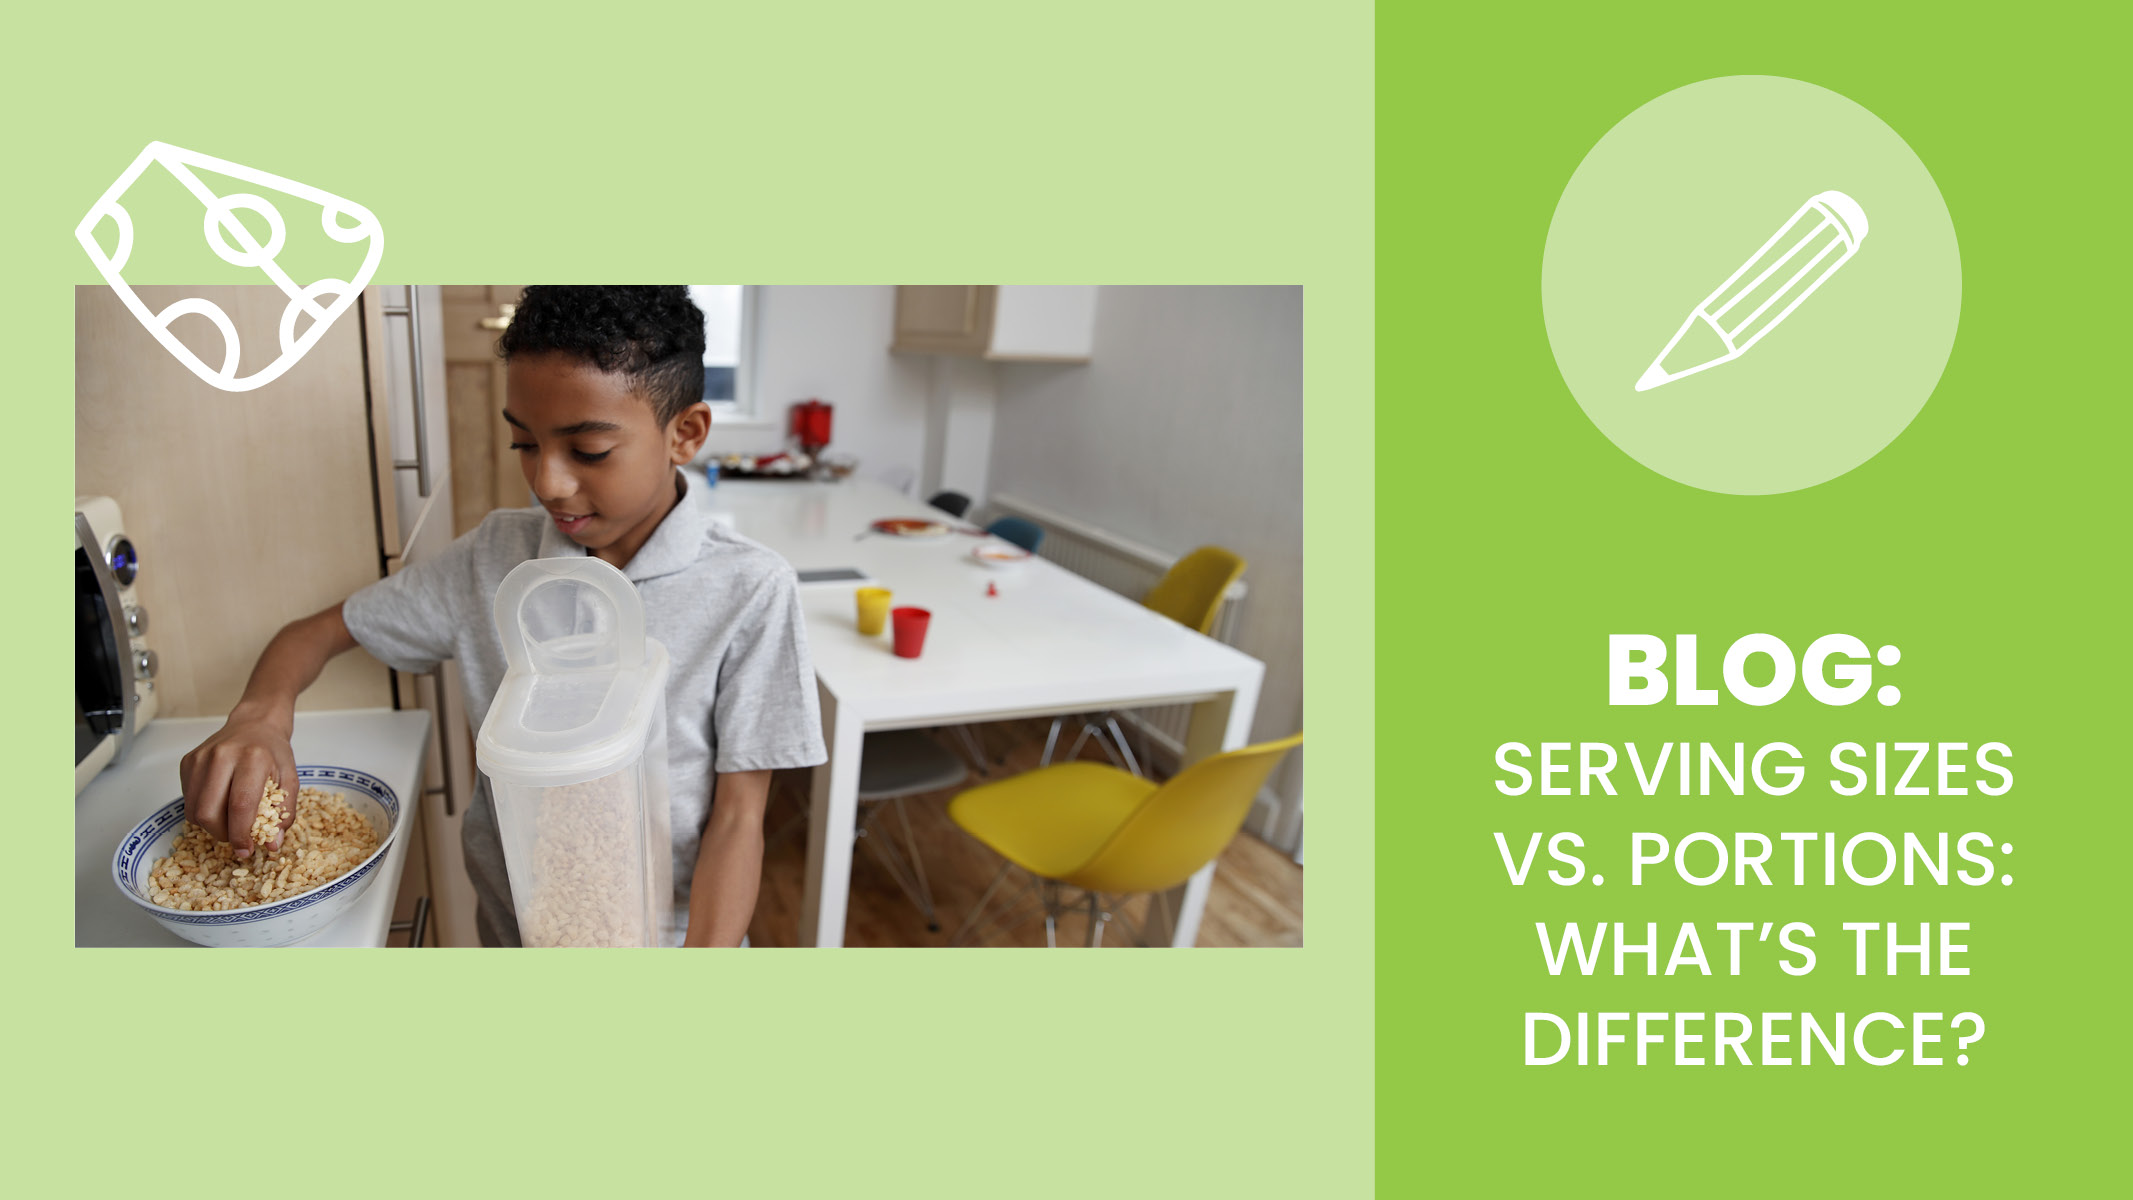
column 1823, row 236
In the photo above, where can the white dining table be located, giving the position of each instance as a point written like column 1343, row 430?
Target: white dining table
column 1048, row 642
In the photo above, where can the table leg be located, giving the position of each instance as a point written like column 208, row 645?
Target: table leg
column 1219, row 723
column 832, row 824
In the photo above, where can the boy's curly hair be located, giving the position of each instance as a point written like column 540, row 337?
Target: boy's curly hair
column 654, row 335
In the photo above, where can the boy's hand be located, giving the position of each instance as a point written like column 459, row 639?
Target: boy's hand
column 226, row 775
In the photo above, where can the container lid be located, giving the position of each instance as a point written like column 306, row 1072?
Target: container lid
column 581, row 681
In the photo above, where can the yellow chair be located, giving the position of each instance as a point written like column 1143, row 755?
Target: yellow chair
column 1190, row 593
column 1109, row 833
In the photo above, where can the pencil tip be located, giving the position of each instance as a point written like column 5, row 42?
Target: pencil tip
column 1653, row 376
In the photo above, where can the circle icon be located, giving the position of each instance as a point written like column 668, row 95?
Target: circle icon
column 1751, row 285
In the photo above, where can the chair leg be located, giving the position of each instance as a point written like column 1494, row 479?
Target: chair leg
column 978, row 910
column 1117, row 911
column 1015, row 914
column 1119, row 736
column 1050, row 904
column 1122, row 757
column 1074, row 755
column 909, row 876
column 1098, row 916
column 918, row 867
column 976, row 748
column 1159, row 904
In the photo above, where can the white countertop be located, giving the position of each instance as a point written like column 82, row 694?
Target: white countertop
column 385, row 743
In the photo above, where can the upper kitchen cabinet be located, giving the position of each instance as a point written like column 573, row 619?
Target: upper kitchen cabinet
column 1003, row 323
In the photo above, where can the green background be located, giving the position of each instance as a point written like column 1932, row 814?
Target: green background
column 1113, row 143
column 1987, row 542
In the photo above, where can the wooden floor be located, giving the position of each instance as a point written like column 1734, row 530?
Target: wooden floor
column 1257, row 898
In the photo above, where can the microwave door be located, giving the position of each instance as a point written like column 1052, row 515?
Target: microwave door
column 103, row 697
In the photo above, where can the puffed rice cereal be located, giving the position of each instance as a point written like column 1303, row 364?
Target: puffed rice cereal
column 328, row 840
column 587, row 886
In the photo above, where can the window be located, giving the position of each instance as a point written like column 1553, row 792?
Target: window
column 729, row 347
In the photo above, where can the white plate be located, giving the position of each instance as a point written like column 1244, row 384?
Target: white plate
column 930, row 529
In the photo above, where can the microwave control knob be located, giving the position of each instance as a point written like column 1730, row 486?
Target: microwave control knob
column 124, row 559
column 144, row 664
column 136, row 620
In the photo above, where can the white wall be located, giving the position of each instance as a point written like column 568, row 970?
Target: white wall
column 832, row 343
column 1184, row 429
column 959, row 427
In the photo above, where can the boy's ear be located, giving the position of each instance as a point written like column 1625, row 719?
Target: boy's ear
column 685, row 437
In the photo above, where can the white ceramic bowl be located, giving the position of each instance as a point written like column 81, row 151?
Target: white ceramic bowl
column 284, row 921
column 998, row 554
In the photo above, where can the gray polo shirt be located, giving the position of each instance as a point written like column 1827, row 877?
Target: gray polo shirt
column 741, row 695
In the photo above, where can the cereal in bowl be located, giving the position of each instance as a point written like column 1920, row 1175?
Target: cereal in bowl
column 328, row 840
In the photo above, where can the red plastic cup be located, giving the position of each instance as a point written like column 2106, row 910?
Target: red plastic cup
column 910, row 630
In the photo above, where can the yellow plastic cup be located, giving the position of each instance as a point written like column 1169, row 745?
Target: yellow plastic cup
column 873, row 610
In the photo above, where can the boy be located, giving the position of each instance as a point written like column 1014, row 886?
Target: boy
column 605, row 400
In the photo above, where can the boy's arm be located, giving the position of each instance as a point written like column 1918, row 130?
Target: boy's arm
column 224, row 777
column 729, row 864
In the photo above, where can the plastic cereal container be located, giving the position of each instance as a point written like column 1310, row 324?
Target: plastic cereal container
column 575, row 750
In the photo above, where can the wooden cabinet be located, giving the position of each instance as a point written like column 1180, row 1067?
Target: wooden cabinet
column 250, row 509
column 485, row 470
column 409, row 348
column 1002, row 323
column 944, row 320
column 256, row 508
column 448, row 765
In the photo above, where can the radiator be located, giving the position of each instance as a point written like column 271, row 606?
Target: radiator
column 1130, row 569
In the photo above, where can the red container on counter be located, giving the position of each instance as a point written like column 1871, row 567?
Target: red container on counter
column 811, row 424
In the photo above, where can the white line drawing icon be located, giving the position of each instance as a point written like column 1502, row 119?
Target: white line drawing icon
column 231, row 241
column 1831, row 224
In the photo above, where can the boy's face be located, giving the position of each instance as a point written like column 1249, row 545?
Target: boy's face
column 594, row 452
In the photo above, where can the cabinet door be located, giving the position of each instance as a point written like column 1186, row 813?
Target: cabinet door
column 943, row 320
column 412, row 392
column 485, row 471
column 414, row 889
column 1043, row 323
column 409, row 387
column 250, row 509
column 447, row 773
column 376, row 365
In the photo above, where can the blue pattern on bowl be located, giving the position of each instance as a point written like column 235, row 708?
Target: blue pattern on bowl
column 135, row 852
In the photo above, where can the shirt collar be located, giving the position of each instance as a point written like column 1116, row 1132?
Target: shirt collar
column 672, row 546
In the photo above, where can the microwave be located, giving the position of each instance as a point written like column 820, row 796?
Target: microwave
column 114, row 670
